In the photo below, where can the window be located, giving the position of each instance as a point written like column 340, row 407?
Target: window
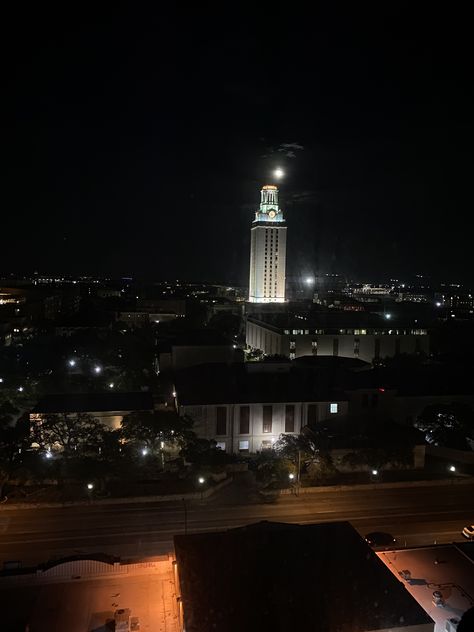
column 356, row 347
column 220, row 445
column 333, row 408
column 244, row 420
column 377, row 348
column 267, row 445
column 221, row 420
column 290, row 418
column 267, row 418
column 243, row 446
column 335, row 346
column 312, row 414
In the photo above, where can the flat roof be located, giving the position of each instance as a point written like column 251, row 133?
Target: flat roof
column 438, row 568
column 84, row 603
column 277, row 576
column 93, row 402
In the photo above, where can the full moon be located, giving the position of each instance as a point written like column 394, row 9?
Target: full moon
column 278, row 173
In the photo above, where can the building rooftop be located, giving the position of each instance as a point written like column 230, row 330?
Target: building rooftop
column 274, row 576
column 93, row 402
column 438, row 568
column 220, row 383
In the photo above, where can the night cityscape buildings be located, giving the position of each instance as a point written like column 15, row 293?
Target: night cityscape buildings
column 222, row 415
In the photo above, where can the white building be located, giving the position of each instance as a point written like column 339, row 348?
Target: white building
column 268, row 250
column 246, row 407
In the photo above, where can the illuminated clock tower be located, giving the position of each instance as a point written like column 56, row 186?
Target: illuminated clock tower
column 268, row 250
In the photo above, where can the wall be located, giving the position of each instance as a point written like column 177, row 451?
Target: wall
column 271, row 340
column 205, row 421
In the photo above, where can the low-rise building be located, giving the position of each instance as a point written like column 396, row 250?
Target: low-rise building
column 354, row 335
column 108, row 408
column 277, row 576
column 246, row 407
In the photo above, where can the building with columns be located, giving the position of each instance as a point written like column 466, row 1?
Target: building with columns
column 268, row 250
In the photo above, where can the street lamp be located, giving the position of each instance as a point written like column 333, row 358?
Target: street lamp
column 97, row 369
column 201, row 481
column 111, row 385
column 72, row 362
column 144, row 451
column 375, row 472
column 291, row 476
column 90, row 486
column 452, row 468
column 20, row 389
column 388, row 316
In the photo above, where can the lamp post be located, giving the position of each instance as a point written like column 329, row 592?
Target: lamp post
column 201, row 481
column 90, row 489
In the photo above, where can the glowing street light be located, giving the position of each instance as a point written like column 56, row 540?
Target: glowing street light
column 278, row 173
column 97, row 369
column 452, row 468
column 20, row 389
column 144, row 451
column 173, row 393
column 375, row 472
column 111, row 385
column 438, row 304
column 388, row 316
column 90, row 486
column 1, row 380
column 291, row 476
column 72, row 362
column 201, row 480
column 309, row 280
column 48, row 454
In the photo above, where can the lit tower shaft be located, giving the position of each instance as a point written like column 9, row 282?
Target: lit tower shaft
column 268, row 250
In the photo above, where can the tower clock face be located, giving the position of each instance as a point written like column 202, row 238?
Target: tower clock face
column 271, row 214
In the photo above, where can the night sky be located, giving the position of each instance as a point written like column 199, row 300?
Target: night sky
column 137, row 142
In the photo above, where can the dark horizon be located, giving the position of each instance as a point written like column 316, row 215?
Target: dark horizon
column 138, row 143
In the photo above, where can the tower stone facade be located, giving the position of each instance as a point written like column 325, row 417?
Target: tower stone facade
column 268, row 250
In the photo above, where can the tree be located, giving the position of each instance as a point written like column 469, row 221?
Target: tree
column 156, row 428
column 13, row 441
column 377, row 458
column 308, row 451
column 448, row 425
column 69, row 435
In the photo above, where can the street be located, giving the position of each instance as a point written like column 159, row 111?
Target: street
column 415, row 516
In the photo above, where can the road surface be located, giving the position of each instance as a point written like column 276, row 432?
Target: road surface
column 415, row 516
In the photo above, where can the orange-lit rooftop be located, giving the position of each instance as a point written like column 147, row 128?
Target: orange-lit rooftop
column 269, row 186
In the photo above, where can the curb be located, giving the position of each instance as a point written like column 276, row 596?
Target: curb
column 118, row 501
column 372, row 486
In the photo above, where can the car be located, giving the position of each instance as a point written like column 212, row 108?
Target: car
column 468, row 532
column 380, row 539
